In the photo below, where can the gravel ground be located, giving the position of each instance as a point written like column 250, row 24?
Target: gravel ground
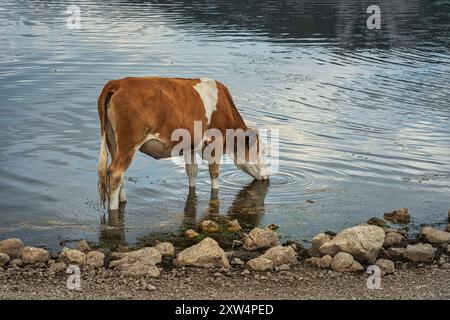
column 301, row 282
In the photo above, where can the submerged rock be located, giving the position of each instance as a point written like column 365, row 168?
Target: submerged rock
column 191, row 233
column 209, row 226
column 95, row 259
column 386, row 266
column 260, row 264
column 318, row 241
column 260, row 239
column 398, row 216
column 233, row 226
column 12, row 247
column 280, row 255
column 166, row 248
column 205, row 254
column 4, row 259
column 435, row 236
column 378, row 222
column 362, row 242
column 421, row 252
column 32, row 255
column 273, row 226
column 344, row 262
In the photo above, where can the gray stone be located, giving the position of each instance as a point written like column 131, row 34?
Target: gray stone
column 166, row 248
column 4, row 259
column 16, row 262
column 260, row 239
column 147, row 256
column 32, row 255
column 317, row 242
column 393, row 239
column 419, row 252
column 344, row 262
column 283, row 267
column 362, row 242
column 386, row 266
column 435, row 236
column 138, row 269
column 205, row 254
column 398, row 216
column 324, row 262
column 281, row 255
column 12, row 247
column 237, row 261
column 95, row 259
column 260, row 264
column 378, row 222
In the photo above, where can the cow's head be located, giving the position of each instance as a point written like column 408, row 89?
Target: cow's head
column 253, row 161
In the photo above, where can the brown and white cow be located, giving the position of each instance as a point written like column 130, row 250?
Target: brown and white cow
column 142, row 113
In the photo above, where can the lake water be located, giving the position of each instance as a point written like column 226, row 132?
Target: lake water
column 363, row 114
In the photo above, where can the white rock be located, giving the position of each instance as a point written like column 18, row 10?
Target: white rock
column 166, row 248
column 344, row 262
column 260, row 264
column 260, row 239
column 32, row 255
column 209, row 226
column 138, row 269
column 421, row 252
column 12, row 247
column 147, row 256
column 280, row 255
column 362, row 242
column 206, row 254
column 318, row 241
column 435, row 236
column 386, row 266
column 73, row 256
column 95, row 259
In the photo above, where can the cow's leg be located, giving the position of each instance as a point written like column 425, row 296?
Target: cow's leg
column 191, row 168
column 120, row 163
column 214, row 169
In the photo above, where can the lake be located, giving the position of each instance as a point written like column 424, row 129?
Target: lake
column 363, row 115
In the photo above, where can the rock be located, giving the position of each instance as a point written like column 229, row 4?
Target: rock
column 318, row 241
column 378, row 222
column 209, row 226
column 58, row 267
column 280, row 255
column 233, row 226
column 395, row 253
column 448, row 248
column 273, row 226
column 449, row 213
column 191, row 233
column 445, row 265
column 16, row 262
column 40, row 265
column 260, row 239
column 447, row 228
column 312, row 261
column 435, row 236
column 166, row 248
column 386, row 266
column 398, row 216
column 12, row 247
column 237, row 261
column 237, row 243
column 4, row 259
column 206, row 254
column 32, row 255
column 73, row 256
column 151, row 287
column 419, row 252
column 83, row 246
column 138, row 269
column 403, row 232
column 260, row 264
column 393, row 239
column 344, row 262
column 283, row 267
column 245, row 272
column 147, row 256
column 95, row 259
column 362, row 242
column 324, row 262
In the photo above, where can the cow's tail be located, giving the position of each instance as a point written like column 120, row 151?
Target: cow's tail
column 102, row 104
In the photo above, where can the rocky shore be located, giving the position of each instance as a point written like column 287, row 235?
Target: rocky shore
column 257, row 266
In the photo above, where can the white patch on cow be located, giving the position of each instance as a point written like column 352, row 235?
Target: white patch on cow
column 207, row 90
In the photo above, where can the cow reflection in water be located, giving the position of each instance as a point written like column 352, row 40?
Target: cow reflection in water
column 247, row 207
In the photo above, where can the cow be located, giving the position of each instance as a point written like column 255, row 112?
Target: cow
column 141, row 113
